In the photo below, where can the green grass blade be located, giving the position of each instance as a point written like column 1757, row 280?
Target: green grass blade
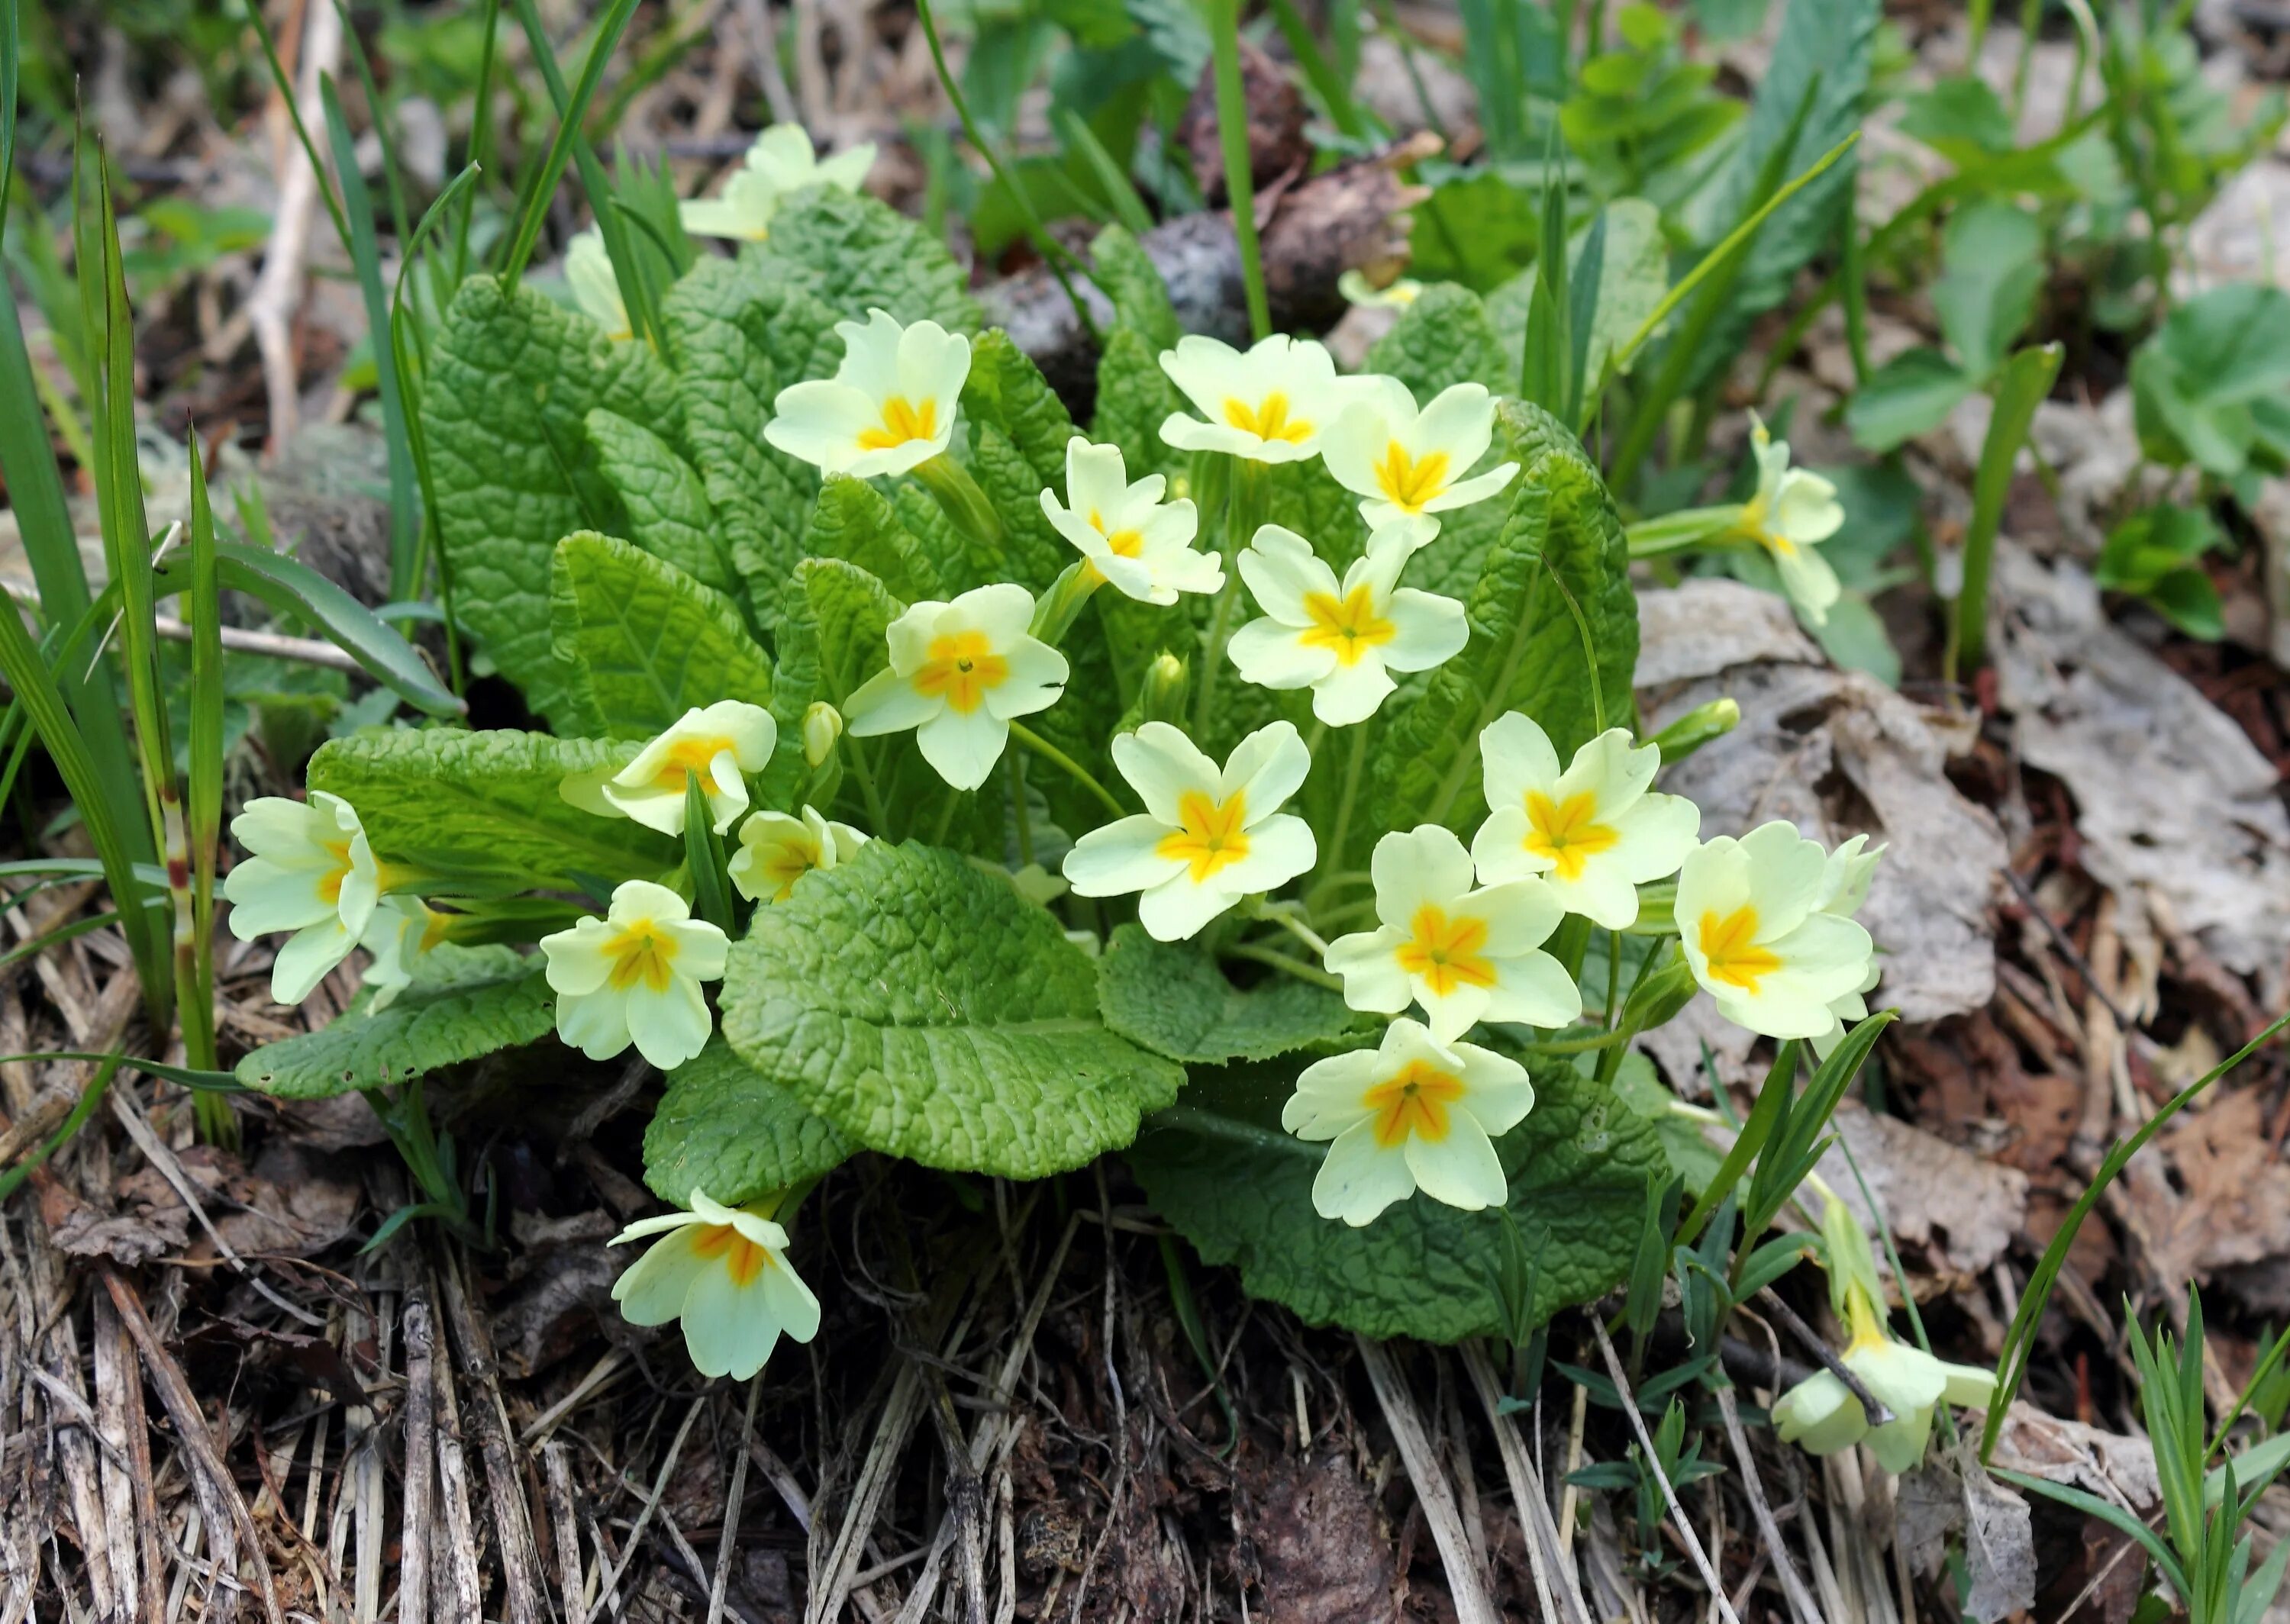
column 203, row 802
column 283, row 84
column 11, row 46
column 481, row 130
column 1240, row 179
column 614, row 23
column 1128, row 207
column 1326, row 82
column 365, row 258
column 2026, row 380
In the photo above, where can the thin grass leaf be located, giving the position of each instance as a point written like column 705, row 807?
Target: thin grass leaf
column 285, row 86
column 1240, row 179
column 11, row 43
column 1120, row 191
column 1329, row 86
column 614, row 23
column 480, row 142
column 2107, row 1512
column 203, row 802
column 2026, row 380
column 90, row 1098
column 1770, row 1106
column 365, row 259
column 703, row 857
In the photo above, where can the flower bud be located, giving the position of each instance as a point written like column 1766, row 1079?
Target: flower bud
column 822, row 725
column 1696, row 728
column 1166, row 681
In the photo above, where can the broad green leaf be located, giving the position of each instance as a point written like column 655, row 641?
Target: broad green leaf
column 737, row 338
column 665, row 499
column 1560, row 551
column 1444, row 337
column 856, row 254
column 1134, row 397
column 1633, row 274
column 1578, row 1168
column 487, row 804
column 2206, row 385
column 928, row 1011
column 723, row 1128
column 853, row 521
column 1912, row 394
column 1130, row 278
column 512, row 379
column 1960, row 117
column 1019, row 430
column 1992, row 260
column 465, row 1003
column 1477, row 230
column 1031, row 551
column 1172, row 998
column 834, row 633
column 644, row 641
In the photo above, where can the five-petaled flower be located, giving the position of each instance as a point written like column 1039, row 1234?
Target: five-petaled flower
column 589, row 274
column 1341, row 640
column 1465, row 955
column 1208, row 837
column 959, row 672
column 776, row 851
column 723, row 1272
column 1750, row 919
column 780, row 161
column 1792, row 512
column 1844, row 882
column 719, row 745
column 1415, row 1113
column 400, row 930
column 634, row 976
column 1596, row 832
column 1140, row 544
column 1271, row 404
column 309, row 871
column 890, row 406
column 1404, row 463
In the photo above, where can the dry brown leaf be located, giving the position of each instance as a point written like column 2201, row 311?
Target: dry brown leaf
column 2231, row 1201
column 1950, row 1210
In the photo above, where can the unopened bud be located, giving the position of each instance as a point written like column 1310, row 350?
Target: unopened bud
column 1696, row 728
column 822, row 725
column 1163, row 699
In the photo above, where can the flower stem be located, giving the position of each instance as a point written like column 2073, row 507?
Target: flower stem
column 1053, row 616
column 1348, row 797
column 1288, row 965
column 959, row 498
column 1278, row 914
column 1073, row 769
column 1240, row 179
column 1240, row 522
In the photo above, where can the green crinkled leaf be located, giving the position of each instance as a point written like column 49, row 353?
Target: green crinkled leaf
column 1172, row 998
column 665, row 499
column 1560, row 549
column 646, row 642
column 1444, row 337
column 465, row 1002
column 723, row 1128
column 856, row 254
column 1304, row 497
column 1134, row 397
column 834, row 634
column 738, row 337
column 1006, row 389
column 1578, row 1166
column 487, row 804
column 928, row 1011
column 853, row 521
column 512, row 379
column 1032, row 552
column 1130, row 278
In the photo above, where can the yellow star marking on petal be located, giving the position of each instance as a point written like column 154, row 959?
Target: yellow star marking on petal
column 789, row 861
column 1269, row 420
column 1120, row 543
column 1730, row 946
column 902, row 421
column 691, row 755
column 742, row 1258
column 1350, row 627
column 1752, row 524
column 961, row 668
column 1412, row 1104
column 640, row 952
column 1567, row 832
column 1410, row 482
column 1208, row 835
column 1447, row 953
column 329, row 883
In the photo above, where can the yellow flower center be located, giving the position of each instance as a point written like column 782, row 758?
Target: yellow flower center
column 786, row 861
column 690, row 756
column 1866, row 1324
column 1410, row 482
column 1269, row 420
column 961, row 668
column 741, row 1256
column 1208, row 835
column 1753, row 525
column 1120, row 543
column 329, row 883
column 1730, row 947
column 1447, row 953
column 1412, row 1103
column 640, row 952
column 1349, row 626
column 902, row 421
column 1567, row 832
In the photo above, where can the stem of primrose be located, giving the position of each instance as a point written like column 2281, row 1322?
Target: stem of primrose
column 1346, row 801
column 1286, row 965
column 1239, row 177
column 1066, row 763
column 959, row 498
column 1241, row 508
column 1276, row 914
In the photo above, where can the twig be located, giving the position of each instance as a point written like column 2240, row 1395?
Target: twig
column 2067, row 948
column 421, row 1465
column 611, row 1586
column 520, row 1556
column 1793, row 1587
column 556, row 1467
column 735, row 1503
column 1528, row 1496
column 1686, row 1535
column 1875, row 1414
column 278, row 291
column 1465, row 1582
column 456, row 1587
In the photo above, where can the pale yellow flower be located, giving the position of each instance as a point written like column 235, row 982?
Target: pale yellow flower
column 723, row 1271
column 634, row 976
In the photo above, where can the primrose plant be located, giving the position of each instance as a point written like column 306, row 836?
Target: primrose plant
column 1247, row 782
